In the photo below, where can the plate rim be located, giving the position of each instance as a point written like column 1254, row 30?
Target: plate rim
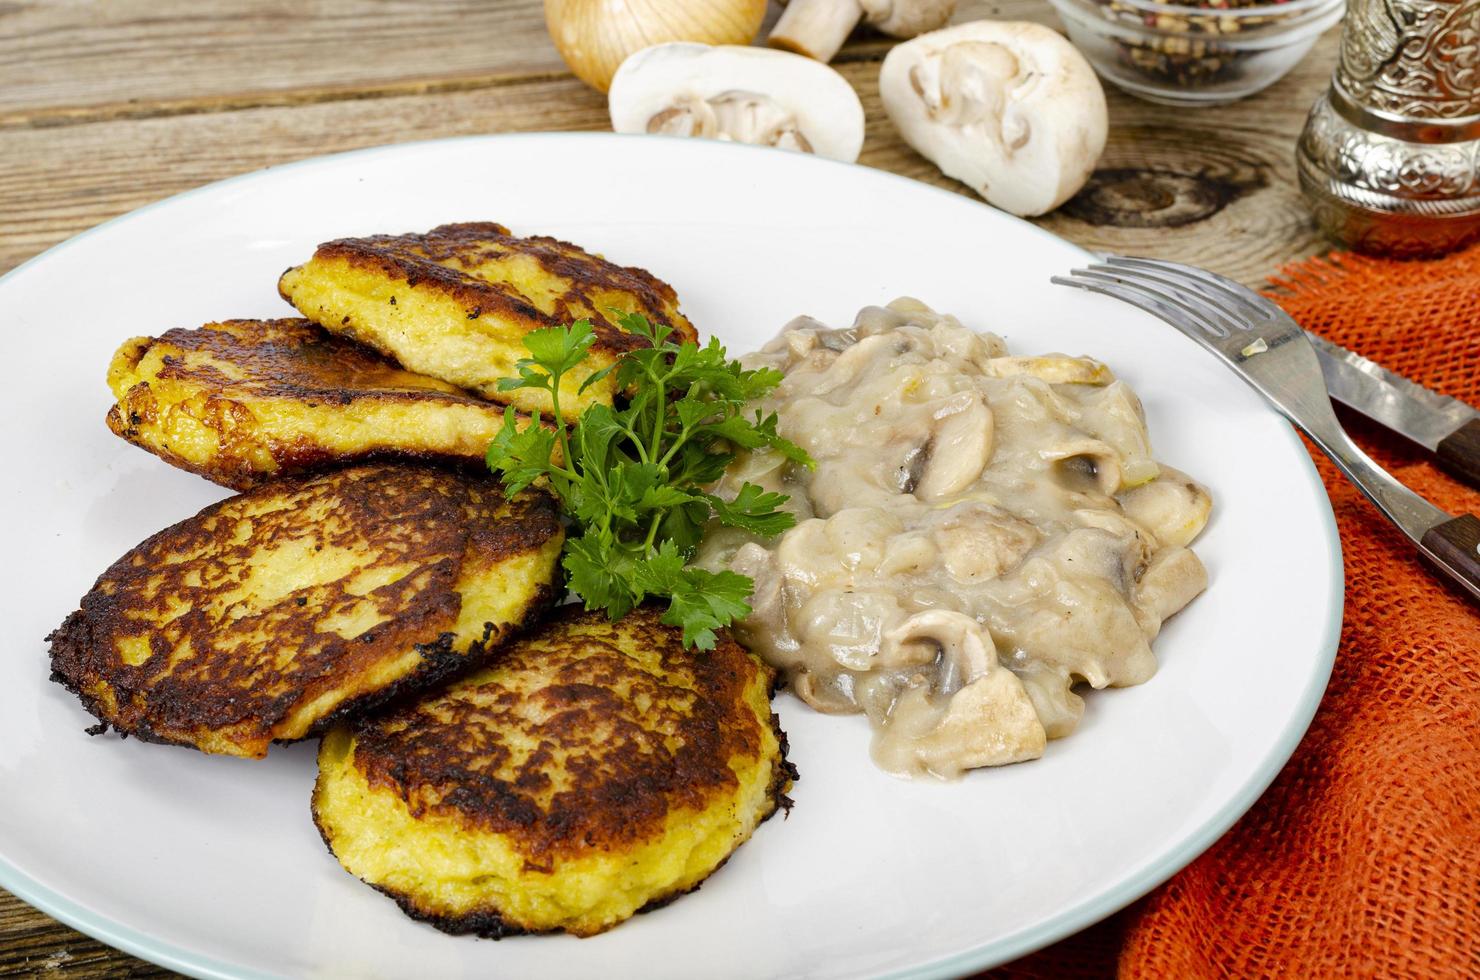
column 1066, row 922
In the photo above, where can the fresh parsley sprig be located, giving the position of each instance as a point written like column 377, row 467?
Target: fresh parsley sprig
column 633, row 478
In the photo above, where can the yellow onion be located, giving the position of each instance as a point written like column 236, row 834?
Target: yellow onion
column 596, row 36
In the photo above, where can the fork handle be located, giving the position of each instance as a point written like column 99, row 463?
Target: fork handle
column 1454, row 547
column 1459, row 452
column 1449, row 543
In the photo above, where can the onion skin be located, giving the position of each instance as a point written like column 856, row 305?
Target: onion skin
column 594, row 37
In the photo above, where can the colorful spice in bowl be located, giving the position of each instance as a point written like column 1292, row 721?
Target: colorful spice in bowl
column 1191, row 54
column 1197, row 52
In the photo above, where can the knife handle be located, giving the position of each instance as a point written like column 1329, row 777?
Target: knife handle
column 1454, row 546
column 1459, row 452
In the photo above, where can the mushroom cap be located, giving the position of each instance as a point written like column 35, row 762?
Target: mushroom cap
column 907, row 18
column 1011, row 109
column 817, row 100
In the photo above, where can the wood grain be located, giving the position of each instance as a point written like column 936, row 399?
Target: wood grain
column 1215, row 186
column 1459, row 452
column 106, row 106
column 122, row 52
column 31, row 945
column 1455, row 549
column 92, row 60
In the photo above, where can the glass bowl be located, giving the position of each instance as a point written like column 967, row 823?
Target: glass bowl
column 1183, row 55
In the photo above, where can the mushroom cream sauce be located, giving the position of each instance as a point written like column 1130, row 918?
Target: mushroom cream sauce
column 981, row 532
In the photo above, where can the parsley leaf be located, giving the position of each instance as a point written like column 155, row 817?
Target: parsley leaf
column 754, row 510
column 633, row 479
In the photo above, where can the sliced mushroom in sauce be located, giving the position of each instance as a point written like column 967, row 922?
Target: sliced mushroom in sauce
column 981, row 533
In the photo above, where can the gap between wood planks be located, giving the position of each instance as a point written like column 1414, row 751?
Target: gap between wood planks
column 159, row 108
column 53, row 116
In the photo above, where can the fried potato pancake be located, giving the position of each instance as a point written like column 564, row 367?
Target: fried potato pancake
column 243, row 401
column 592, row 770
column 456, row 302
column 270, row 614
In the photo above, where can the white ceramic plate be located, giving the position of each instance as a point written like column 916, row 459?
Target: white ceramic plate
column 212, row 866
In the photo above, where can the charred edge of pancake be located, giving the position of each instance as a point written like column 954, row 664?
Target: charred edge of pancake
column 231, row 480
column 486, row 923
column 483, row 923
column 490, row 924
column 534, row 519
column 783, row 775
column 290, row 341
column 296, row 462
column 388, row 255
column 298, row 459
column 70, row 644
column 439, row 663
column 67, row 647
column 297, row 343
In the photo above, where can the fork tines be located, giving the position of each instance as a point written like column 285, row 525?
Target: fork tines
column 1193, row 300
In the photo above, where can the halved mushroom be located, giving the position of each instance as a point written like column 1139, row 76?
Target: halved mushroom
column 965, row 651
column 1173, row 507
column 818, row 28
column 1086, row 464
column 1009, row 108
column 742, row 94
column 853, row 361
column 959, row 448
column 1114, row 414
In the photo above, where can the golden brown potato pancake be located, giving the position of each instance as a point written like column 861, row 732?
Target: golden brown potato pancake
column 244, row 401
column 456, row 302
column 590, row 771
column 269, row 614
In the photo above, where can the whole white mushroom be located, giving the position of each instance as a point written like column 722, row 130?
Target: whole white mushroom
column 818, row 28
column 737, row 93
column 1009, row 108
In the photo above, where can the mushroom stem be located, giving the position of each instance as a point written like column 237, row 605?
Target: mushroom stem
column 816, row 28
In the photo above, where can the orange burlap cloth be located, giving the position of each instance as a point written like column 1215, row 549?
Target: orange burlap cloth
column 1363, row 858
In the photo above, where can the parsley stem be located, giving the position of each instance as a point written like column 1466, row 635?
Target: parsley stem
column 642, row 452
column 652, row 535
column 678, row 443
column 661, row 386
column 562, row 432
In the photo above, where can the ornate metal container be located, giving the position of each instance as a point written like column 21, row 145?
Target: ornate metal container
column 1390, row 155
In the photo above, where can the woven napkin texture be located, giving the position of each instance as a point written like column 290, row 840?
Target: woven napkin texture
column 1363, row 858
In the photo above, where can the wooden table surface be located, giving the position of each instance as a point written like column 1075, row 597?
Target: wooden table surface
column 106, row 105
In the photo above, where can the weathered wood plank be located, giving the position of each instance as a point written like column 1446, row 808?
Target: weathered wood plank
column 1214, row 186
column 125, row 58
column 118, row 52
column 32, row 945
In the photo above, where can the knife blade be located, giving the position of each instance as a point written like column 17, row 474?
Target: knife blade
column 1409, row 409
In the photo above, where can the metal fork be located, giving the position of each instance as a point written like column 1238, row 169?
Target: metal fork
column 1270, row 351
